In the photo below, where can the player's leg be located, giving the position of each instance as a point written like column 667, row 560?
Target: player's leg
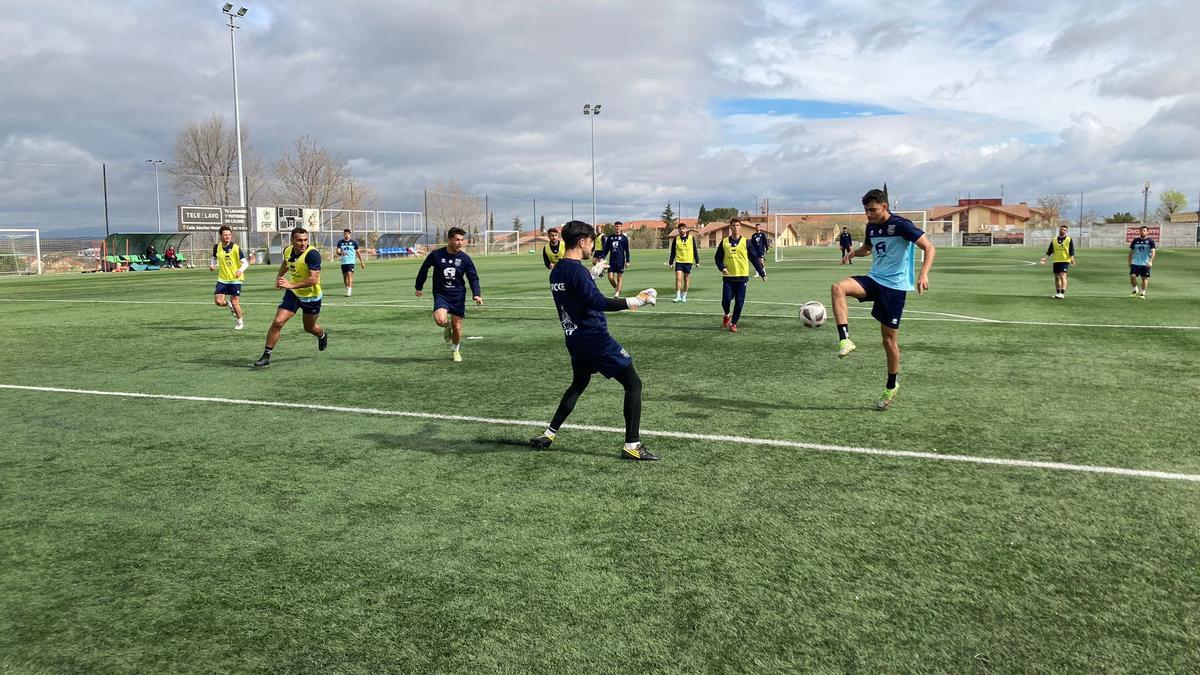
column 632, row 409
column 739, row 300
column 581, row 375
column 620, row 282
column 219, row 300
column 726, row 297
column 282, row 315
column 236, row 302
column 848, row 287
column 441, row 316
column 678, row 285
column 1145, row 282
column 1133, row 281
column 1063, row 283
column 759, row 268
column 456, row 336
column 311, row 325
column 612, row 279
column 687, row 284
column 891, row 346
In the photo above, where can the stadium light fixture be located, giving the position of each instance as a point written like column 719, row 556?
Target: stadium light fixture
column 237, row 117
column 157, row 197
column 591, row 110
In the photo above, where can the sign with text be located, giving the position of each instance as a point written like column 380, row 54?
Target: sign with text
column 212, row 218
column 1133, row 232
column 265, row 219
column 289, row 217
column 976, row 238
column 1008, row 237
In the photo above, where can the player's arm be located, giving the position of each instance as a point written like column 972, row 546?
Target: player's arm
column 696, row 250
column 1153, row 252
column 1130, row 262
column 860, row 252
column 930, row 251
column 1071, row 252
column 279, row 275
column 546, row 259
column 245, row 262
column 1049, row 250
column 719, row 259
column 212, row 262
column 424, row 272
column 473, row 278
column 360, row 255
column 313, row 260
column 671, row 259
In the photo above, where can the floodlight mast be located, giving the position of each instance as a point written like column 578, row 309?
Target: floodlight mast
column 237, row 118
column 591, row 110
column 157, row 196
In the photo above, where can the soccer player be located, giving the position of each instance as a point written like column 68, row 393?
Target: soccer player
column 300, row 277
column 581, row 308
column 759, row 245
column 347, row 248
column 616, row 249
column 733, row 259
column 229, row 262
column 891, row 239
column 685, row 252
column 1141, row 259
column 846, row 242
column 450, row 264
column 553, row 251
column 1063, row 251
column 598, row 246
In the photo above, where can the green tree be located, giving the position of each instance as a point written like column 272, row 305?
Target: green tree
column 1169, row 202
column 668, row 217
column 702, row 216
column 543, row 225
column 1121, row 217
column 517, row 223
column 721, row 214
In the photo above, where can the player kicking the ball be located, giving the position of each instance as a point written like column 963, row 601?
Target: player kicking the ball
column 891, row 240
column 581, row 308
column 300, row 277
column 450, row 264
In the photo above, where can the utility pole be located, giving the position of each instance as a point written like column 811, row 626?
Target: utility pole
column 1145, row 201
column 1080, row 214
column 104, row 179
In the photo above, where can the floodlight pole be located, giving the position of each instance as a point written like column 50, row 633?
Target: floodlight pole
column 157, row 196
column 237, row 117
column 591, row 111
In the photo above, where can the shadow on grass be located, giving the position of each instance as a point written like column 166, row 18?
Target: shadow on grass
column 426, row 440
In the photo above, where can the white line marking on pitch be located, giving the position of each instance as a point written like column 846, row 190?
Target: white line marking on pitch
column 421, row 304
column 741, row 440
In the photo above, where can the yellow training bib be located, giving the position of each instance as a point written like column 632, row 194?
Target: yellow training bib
column 684, row 253
column 228, row 264
column 298, row 272
column 737, row 259
column 1062, row 252
column 552, row 255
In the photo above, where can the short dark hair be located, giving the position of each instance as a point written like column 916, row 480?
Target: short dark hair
column 223, row 228
column 576, row 231
column 553, row 229
column 1144, row 227
column 735, row 219
column 345, row 230
column 617, row 222
column 298, row 230
column 455, row 231
column 875, row 196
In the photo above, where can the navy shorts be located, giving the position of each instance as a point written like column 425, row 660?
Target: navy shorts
column 616, row 268
column 231, row 289
column 609, row 364
column 1062, row 268
column 293, row 304
column 889, row 302
column 1139, row 271
column 347, row 268
column 456, row 306
column 686, row 268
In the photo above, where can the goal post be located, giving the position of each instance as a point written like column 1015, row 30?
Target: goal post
column 20, row 252
column 796, row 233
column 501, row 241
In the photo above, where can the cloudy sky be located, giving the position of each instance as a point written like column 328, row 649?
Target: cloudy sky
column 713, row 101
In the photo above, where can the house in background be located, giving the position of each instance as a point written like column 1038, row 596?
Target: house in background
column 981, row 215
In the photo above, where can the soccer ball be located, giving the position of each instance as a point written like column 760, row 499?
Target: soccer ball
column 812, row 314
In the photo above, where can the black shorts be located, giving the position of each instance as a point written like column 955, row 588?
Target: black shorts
column 616, row 268
column 347, row 268
column 609, row 364
column 889, row 302
column 1062, row 268
column 228, row 289
column 293, row 303
column 455, row 306
column 686, row 268
column 1139, row 271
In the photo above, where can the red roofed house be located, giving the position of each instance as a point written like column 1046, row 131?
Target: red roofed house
column 982, row 215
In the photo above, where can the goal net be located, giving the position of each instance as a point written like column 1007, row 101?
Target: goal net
column 797, row 235
column 20, row 252
column 501, row 241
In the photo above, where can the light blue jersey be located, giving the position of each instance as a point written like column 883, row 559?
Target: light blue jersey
column 893, row 263
column 1141, row 247
column 349, row 250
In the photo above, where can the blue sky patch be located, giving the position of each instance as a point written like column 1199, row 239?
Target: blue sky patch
column 802, row 108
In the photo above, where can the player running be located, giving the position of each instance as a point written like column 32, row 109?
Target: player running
column 229, row 262
column 846, row 241
column 581, row 308
column 347, row 248
column 616, row 250
column 733, row 259
column 554, row 249
column 890, row 239
column 1141, row 259
column 758, row 247
column 300, row 277
column 450, row 264
column 1063, row 251
column 685, row 252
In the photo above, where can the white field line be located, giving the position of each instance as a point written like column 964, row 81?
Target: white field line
column 425, row 304
column 717, row 438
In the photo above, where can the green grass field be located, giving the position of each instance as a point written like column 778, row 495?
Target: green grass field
column 171, row 535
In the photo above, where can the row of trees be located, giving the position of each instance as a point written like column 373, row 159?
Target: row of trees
column 1056, row 208
column 204, row 171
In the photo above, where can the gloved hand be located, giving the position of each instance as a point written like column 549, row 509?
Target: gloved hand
column 599, row 269
column 646, row 297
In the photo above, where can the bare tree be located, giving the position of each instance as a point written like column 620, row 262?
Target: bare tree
column 1050, row 208
column 450, row 206
column 204, row 169
column 311, row 176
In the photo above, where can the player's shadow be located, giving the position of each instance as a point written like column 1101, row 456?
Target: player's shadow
column 710, row 402
column 426, row 441
column 395, row 360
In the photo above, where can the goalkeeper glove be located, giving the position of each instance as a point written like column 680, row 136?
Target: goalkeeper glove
column 599, row 269
column 646, row 297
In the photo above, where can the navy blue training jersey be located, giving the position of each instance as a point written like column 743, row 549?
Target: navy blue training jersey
column 580, row 308
column 616, row 246
column 758, row 245
column 448, row 272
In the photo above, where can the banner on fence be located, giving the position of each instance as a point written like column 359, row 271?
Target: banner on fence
column 1133, row 232
column 212, row 218
column 976, row 238
column 1009, row 237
